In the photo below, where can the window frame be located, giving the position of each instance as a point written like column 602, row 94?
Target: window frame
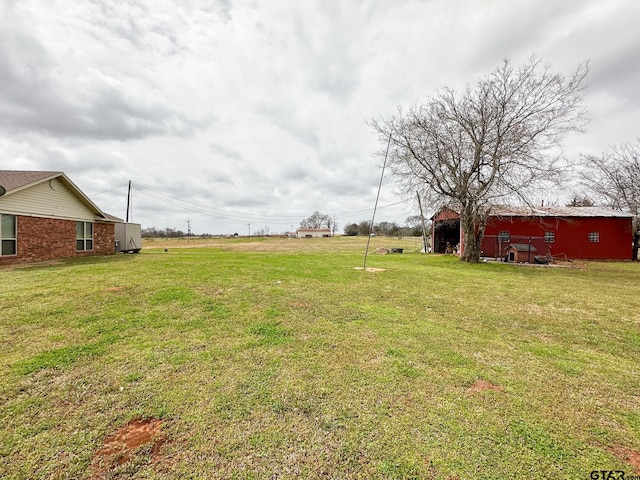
column 594, row 237
column 550, row 237
column 82, row 239
column 504, row 236
column 13, row 239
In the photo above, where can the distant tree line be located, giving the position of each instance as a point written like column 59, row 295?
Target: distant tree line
column 168, row 232
column 412, row 228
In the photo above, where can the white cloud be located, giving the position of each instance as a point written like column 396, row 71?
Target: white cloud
column 255, row 111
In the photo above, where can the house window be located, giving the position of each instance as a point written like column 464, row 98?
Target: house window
column 8, row 235
column 549, row 237
column 594, row 237
column 84, row 236
column 504, row 236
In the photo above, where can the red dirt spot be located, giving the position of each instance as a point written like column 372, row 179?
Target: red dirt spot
column 483, row 386
column 118, row 448
column 630, row 457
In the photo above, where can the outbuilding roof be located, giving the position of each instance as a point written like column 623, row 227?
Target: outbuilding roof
column 522, row 247
column 511, row 211
column 519, row 211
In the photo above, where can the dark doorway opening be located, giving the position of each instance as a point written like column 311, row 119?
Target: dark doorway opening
column 446, row 236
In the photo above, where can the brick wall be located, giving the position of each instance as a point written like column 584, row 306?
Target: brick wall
column 104, row 238
column 50, row 238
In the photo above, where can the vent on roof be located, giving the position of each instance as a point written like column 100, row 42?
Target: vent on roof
column 2, row 190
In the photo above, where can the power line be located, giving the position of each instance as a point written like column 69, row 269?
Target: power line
column 231, row 215
column 105, row 191
column 228, row 214
column 349, row 214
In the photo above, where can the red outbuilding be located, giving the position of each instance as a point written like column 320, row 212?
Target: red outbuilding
column 590, row 233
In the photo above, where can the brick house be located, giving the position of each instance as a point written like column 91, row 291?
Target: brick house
column 44, row 216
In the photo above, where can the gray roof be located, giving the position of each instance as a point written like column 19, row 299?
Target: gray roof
column 18, row 179
column 113, row 218
column 522, row 247
column 518, row 211
column 508, row 211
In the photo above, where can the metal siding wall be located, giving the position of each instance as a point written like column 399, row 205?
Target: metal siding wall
column 615, row 238
column 572, row 236
column 43, row 201
column 519, row 228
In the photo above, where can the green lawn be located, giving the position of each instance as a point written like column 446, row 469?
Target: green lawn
column 278, row 359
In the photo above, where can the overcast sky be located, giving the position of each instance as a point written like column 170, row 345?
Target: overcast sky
column 235, row 112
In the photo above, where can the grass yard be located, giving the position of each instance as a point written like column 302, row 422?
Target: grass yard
column 276, row 358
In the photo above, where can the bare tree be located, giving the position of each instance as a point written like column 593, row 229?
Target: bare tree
column 490, row 144
column 614, row 179
column 581, row 201
column 351, row 229
column 317, row 220
column 414, row 224
column 364, row 227
column 332, row 225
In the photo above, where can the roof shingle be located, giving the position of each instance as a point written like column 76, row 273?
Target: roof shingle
column 15, row 179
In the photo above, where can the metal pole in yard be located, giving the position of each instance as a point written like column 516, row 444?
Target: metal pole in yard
column 424, row 228
column 376, row 205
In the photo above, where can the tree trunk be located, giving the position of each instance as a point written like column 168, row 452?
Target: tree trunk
column 636, row 247
column 472, row 224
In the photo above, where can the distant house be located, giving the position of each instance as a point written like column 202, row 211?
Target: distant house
column 590, row 233
column 44, row 216
column 313, row 232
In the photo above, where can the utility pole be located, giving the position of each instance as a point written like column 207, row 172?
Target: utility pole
column 126, row 222
column 188, row 230
column 249, row 225
column 128, row 202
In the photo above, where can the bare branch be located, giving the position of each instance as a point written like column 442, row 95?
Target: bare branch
column 495, row 141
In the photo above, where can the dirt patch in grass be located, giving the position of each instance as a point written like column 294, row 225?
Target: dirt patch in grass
column 113, row 289
column 119, row 448
column 483, row 386
column 628, row 456
column 371, row 269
